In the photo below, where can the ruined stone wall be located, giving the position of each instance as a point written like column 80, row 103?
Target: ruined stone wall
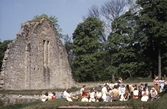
column 36, row 59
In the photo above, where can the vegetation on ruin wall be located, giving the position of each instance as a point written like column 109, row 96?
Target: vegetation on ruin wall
column 37, row 18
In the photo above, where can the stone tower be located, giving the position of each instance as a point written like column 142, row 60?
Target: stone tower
column 36, row 59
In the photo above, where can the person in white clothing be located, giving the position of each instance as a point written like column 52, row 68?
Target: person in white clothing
column 92, row 96
column 145, row 95
column 135, row 93
column 67, row 95
column 161, row 83
column 82, row 89
column 104, row 93
column 153, row 94
column 111, row 85
column 122, row 92
column 45, row 97
column 50, row 94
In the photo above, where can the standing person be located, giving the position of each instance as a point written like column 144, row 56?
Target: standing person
column 104, row 93
column 120, row 82
column 156, row 84
column 82, row 89
column 161, row 83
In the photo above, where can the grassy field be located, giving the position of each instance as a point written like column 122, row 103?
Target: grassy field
column 54, row 104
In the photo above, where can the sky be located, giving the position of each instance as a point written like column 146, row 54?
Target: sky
column 69, row 13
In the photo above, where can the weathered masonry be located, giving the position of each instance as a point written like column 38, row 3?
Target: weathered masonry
column 36, row 59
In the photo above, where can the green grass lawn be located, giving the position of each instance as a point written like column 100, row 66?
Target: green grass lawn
column 138, row 80
column 54, row 104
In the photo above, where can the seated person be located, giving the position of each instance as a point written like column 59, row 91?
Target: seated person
column 153, row 94
column 135, row 93
column 98, row 96
column 165, row 86
column 67, row 95
column 44, row 97
column 50, row 94
column 54, row 95
column 92, row 96
column 85, row 96
column 127, row 96
column 145, row 95
column 115, row 93
column 60, row 95
column 122, row 92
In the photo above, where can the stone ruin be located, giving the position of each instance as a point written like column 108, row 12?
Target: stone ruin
column 36, row 59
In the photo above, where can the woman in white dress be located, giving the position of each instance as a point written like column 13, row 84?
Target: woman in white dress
column 104, row 93
column 92, row 96
column 145, row 95
column 161, row 83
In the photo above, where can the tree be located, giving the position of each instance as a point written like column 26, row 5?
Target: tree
column 122, row 45
column 3, row 47
column 113, row 9
column 87, row 64
column 153, row 24
column 107, row 13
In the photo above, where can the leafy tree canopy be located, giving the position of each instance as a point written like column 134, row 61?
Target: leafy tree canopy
column 3, row 47
column 86, row 49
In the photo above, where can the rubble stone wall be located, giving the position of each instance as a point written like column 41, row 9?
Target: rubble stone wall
column 36, row 59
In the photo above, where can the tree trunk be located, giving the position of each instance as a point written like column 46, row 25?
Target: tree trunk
column 113, row 77
column 150, row 75
column 130, row 74
column 159, row 62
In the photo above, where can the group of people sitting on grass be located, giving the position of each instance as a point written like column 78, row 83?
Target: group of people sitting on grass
column 48, row 96
column 117, row 92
